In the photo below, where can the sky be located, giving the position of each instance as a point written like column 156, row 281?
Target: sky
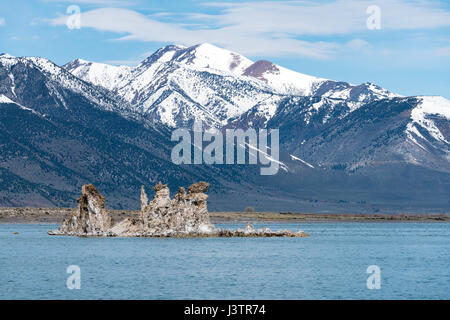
column 401, row 45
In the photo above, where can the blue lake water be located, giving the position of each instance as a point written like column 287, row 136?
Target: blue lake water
column 414, row 259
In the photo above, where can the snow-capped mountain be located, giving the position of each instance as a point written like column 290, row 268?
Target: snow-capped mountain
column 40, row 84
column 58, row 132
column 177, row 84
column 414, row 130
column 110, row 125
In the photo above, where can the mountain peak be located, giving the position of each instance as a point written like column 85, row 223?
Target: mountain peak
column 164, row 54
column 207, row 46
column 7, row 59
column 76, row 63
column 206, row 55
column 82, row 61
column 6, row 55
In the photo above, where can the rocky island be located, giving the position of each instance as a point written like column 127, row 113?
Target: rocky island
column 186, row 215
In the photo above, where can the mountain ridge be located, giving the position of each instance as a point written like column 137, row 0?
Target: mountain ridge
column 176, row 81
column 341, row 145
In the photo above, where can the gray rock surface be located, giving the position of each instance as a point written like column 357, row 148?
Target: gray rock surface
column 91, row 216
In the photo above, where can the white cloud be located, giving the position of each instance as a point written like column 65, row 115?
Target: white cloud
column 2, row 21
column 136, row 26
column 357, row 44
column 269, row 28
column 330, row 18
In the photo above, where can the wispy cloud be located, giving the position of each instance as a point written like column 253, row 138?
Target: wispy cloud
column 269, row 27
column 136, row 26
column 2, row 21
column 329, row 18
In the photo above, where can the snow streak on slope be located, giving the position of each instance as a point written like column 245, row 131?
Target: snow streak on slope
column 265, row 155
column 5, row 99
column 302, row 161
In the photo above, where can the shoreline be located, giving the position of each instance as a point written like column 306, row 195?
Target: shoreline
column 27, row 215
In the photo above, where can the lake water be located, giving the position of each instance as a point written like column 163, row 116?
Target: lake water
column 414, row 259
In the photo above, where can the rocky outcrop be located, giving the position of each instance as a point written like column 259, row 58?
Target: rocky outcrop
column 91, row 216
column 186, row 215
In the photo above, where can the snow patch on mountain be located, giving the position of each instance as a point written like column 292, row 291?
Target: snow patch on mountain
column 211, row 57
column 100, row 74
column 7, row 60
column 381, row 93
column 5, row 99
column 431, row 105
column 420, row 116
column 283, row 80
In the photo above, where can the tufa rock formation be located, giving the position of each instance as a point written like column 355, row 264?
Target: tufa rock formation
column 91, row 216
column 186, row 215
